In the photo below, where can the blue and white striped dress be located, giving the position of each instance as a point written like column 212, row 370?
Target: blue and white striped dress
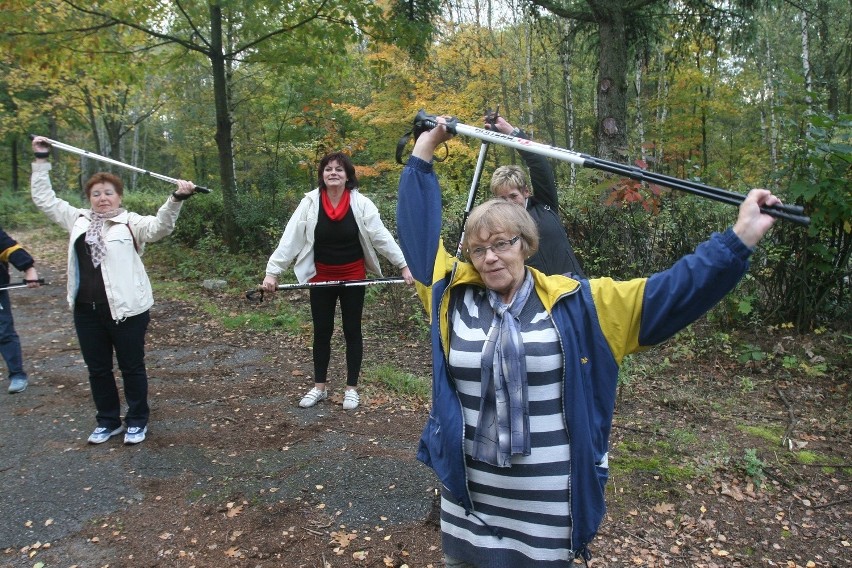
column 527, row 503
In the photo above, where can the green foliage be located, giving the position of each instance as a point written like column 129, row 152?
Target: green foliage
column 19, row 211
column 751, row 354
column 706, row 103
column 753, row 466
column 805, row 280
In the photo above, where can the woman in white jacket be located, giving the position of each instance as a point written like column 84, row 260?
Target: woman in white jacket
column 334, row 235
column 108, row 288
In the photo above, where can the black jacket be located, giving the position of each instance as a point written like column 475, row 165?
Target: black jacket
column 11, row 251
column 555, row 255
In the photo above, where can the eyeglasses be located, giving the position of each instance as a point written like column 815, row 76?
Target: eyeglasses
column 498, row 247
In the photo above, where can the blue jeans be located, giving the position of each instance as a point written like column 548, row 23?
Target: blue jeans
column 99, row 336
column 10, row 343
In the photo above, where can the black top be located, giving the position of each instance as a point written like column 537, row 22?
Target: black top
column 554, row 255
column 91, row 289
column 336, row 242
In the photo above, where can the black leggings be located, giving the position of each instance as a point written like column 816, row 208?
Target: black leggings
column 323, row 304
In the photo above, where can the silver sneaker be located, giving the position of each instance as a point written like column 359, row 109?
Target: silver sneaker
column 135, row 434
column 351, row 400
column 314, row 396
column 101, row 434
column 18, row 384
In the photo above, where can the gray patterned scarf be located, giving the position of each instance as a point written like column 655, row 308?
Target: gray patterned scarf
column 503, row 429
column 95, row 234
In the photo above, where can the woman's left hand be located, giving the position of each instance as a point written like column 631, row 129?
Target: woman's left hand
column 752, row 224
column 406, row 275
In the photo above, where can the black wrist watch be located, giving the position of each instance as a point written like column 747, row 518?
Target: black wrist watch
column 41, row 154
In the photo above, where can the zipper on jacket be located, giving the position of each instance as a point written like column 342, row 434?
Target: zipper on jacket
column 445, row 352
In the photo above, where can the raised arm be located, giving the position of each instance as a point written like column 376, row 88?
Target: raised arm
column 542, row 178
column 644, row 312
column 418, row 209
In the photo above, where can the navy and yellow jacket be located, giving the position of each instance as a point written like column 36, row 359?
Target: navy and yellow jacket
column 12, row 252
column 598, row 321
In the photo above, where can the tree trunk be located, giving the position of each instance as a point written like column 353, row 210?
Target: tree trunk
column 224, row 124
column 640, row 122
column 829, row 75
column 611, row 131
column 566, row 48
column 806, row 62
column 13, row 158
column 662, row 106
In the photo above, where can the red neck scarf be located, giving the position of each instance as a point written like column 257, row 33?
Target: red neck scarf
column 335, row 213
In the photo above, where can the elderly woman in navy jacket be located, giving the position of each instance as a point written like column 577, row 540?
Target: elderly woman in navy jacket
column 525, row 367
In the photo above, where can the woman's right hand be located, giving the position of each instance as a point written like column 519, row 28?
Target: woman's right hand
column 270, row 284
column 426, row 143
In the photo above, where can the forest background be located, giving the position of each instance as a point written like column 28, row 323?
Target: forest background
column 245, row 97
column 747, row 412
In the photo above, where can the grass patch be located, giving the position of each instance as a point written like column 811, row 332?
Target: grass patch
column 396, row 382
column 259, row 321
column 772, row 435
column 808, row 457
column 632, row 457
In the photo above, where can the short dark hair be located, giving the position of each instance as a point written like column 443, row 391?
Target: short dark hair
column 345, row 161
column 105, row 177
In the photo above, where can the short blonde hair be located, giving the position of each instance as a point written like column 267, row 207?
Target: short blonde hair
column 498, row 215
column 512, row 176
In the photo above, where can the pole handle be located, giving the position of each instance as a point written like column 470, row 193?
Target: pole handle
column 22, row 284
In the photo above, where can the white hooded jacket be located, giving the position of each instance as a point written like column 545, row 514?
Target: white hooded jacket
column 127, row 286
column 297, row 242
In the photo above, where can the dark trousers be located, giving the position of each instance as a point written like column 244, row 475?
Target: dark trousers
column 10, row 343
column 99, row 336
column 323, row 305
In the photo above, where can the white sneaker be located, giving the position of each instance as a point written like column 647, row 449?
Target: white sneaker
column 102, row 434
column 351, row 399
column 135, row 434
column 314, row 396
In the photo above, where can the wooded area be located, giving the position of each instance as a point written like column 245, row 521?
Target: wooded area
column 245, row 97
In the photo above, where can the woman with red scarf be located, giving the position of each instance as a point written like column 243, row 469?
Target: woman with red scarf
column 334, row 234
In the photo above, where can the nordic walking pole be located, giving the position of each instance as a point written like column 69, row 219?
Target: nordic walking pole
column 251, row 294
column 474, row 185
column 471, row 196
column 98, row 157
column 23, row 284
column 793, row 213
